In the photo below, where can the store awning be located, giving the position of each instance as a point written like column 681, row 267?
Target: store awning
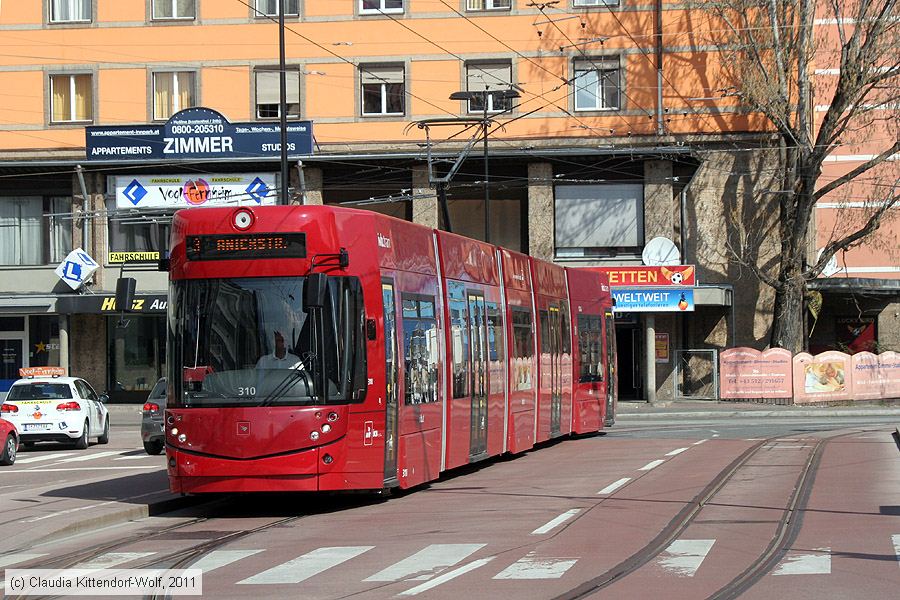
column 857, row 285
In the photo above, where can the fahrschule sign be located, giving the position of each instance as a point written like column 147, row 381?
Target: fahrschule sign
column 196, row 133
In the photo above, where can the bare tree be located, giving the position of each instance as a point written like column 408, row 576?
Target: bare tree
column 770, row 49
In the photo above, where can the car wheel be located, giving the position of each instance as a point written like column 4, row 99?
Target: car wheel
column 154, row 446
column 8, row 454
column 82, row 442
column 104, row 439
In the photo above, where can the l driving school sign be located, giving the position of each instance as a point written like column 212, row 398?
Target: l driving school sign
column 195, row 133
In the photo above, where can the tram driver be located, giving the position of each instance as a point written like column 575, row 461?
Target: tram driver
column 279, row 358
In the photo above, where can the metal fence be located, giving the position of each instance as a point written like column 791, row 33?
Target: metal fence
column 696, row 374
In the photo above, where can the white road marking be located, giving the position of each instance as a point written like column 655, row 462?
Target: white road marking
column 676, row 452
column 426, row 563
column 532, row 567
column 780, row 447
column 112, row 559
column 614, row 486
column 447, row 576
column 308, row 565
column 806, row 564
column 550, row 525
column 651, row 465
column 137, row 457
column 698, row 442
column 220, row 558
column 85, row 457
column 34, row 459
column 85, row 469
column 896, row 540
column 684, row 557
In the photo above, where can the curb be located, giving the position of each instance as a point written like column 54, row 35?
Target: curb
column 887, row 412
column 120, row 516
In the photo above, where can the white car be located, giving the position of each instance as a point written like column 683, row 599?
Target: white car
column 59, row 409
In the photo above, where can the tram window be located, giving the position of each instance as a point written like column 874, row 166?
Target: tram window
column 566, row 346
column 421, row 348
column 545, row 332
column 523, row 348
column 590, row 347
column 496, row 347
column 459, row 336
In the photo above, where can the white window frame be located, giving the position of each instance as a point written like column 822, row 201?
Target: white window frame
column 384, row 94
column 488, row 5
column 71, row 5
column 381, row 8
column 173, row 6
column 594, row 3
column 497, row 85
column 259, row 8
column 600, row 66
column 176, row 96
column 290, row 72
column 72, row 100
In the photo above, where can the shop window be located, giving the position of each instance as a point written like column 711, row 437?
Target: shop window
column 172, row 92
column 268, row 94
column 269, row 8
column 488, row 4
column 492, row 80
column 599, row 220
column 382, row 90
column 130, row 233
column 174, row 9
column 380, row 6
column 597, row 84
column 72, row 98
column 43, row 343
column 35, row 230
column 420, row 343
column 136, row 354
column 69, row 11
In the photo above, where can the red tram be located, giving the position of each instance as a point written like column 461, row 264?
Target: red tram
column 318, row 348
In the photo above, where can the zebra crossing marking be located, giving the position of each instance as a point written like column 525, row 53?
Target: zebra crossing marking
column 310, row 564
column 533, row 567
column 684, row 557
column 426, row 563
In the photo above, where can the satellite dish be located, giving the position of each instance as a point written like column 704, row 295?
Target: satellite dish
column 831, row 267
column 659, row 252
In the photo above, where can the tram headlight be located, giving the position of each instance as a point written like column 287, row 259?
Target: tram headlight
column 332, row 416
column 174, row 431
column 314, row 435
column 243, row 219
column 182, row 438
column 327, row 459
column 326, row 428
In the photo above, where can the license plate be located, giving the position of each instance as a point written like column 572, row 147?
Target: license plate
column 37, row 426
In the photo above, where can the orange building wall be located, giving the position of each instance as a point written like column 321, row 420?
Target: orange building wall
column 23, row 98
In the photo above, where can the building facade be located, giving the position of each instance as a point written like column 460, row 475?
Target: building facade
column 605, row 128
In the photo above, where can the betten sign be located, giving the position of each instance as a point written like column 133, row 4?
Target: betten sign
column 196, row 133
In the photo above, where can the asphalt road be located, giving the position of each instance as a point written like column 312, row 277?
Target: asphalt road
column 728, row 507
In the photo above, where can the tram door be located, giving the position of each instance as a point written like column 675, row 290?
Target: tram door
column 478, row 358
column 555, row 371
column 390, row 371
column 612, row 383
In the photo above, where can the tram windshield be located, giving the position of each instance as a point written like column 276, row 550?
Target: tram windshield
column 252, row 342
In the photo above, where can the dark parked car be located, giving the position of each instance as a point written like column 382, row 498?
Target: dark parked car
column 10, row 439
column 152, row 427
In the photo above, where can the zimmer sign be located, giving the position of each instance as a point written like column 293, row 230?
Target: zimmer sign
column 195, row 133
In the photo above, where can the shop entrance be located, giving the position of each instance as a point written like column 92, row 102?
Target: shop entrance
column 12, row 356
column 629, row 350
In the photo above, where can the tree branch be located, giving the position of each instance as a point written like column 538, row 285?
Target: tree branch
column 848, row 177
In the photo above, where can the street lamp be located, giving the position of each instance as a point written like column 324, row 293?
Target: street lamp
column 484, row 95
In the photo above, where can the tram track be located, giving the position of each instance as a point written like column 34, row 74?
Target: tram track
column 786, row 532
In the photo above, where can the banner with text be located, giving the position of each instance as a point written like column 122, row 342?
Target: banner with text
column 651, row 276
column 748, row 373
column 190, row 191
column 653, row 299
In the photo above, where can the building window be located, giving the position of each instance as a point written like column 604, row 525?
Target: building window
column 34, row 230
column 136, row 355
column 172, row 92
column 268, row 94
column 68, row 11
column 596, row 3
column 269, row 8
column 130, row 234
column 599, row 220
column 174, row 9
column 382, row 90
column 597, row 84
column 492, row 80
column 488, row 4
column 380, row 6
column 72, row 98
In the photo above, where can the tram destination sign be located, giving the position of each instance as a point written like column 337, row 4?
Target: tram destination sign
column 195, row 133
column 245, row 246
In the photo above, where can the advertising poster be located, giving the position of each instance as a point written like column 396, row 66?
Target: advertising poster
column 821, row 378
column 653, row 299
column 662, row 347
column 746, row 373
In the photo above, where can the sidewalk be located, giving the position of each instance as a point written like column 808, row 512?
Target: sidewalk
column 713, row 409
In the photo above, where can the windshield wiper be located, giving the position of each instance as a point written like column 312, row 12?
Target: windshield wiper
column 284, row 386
